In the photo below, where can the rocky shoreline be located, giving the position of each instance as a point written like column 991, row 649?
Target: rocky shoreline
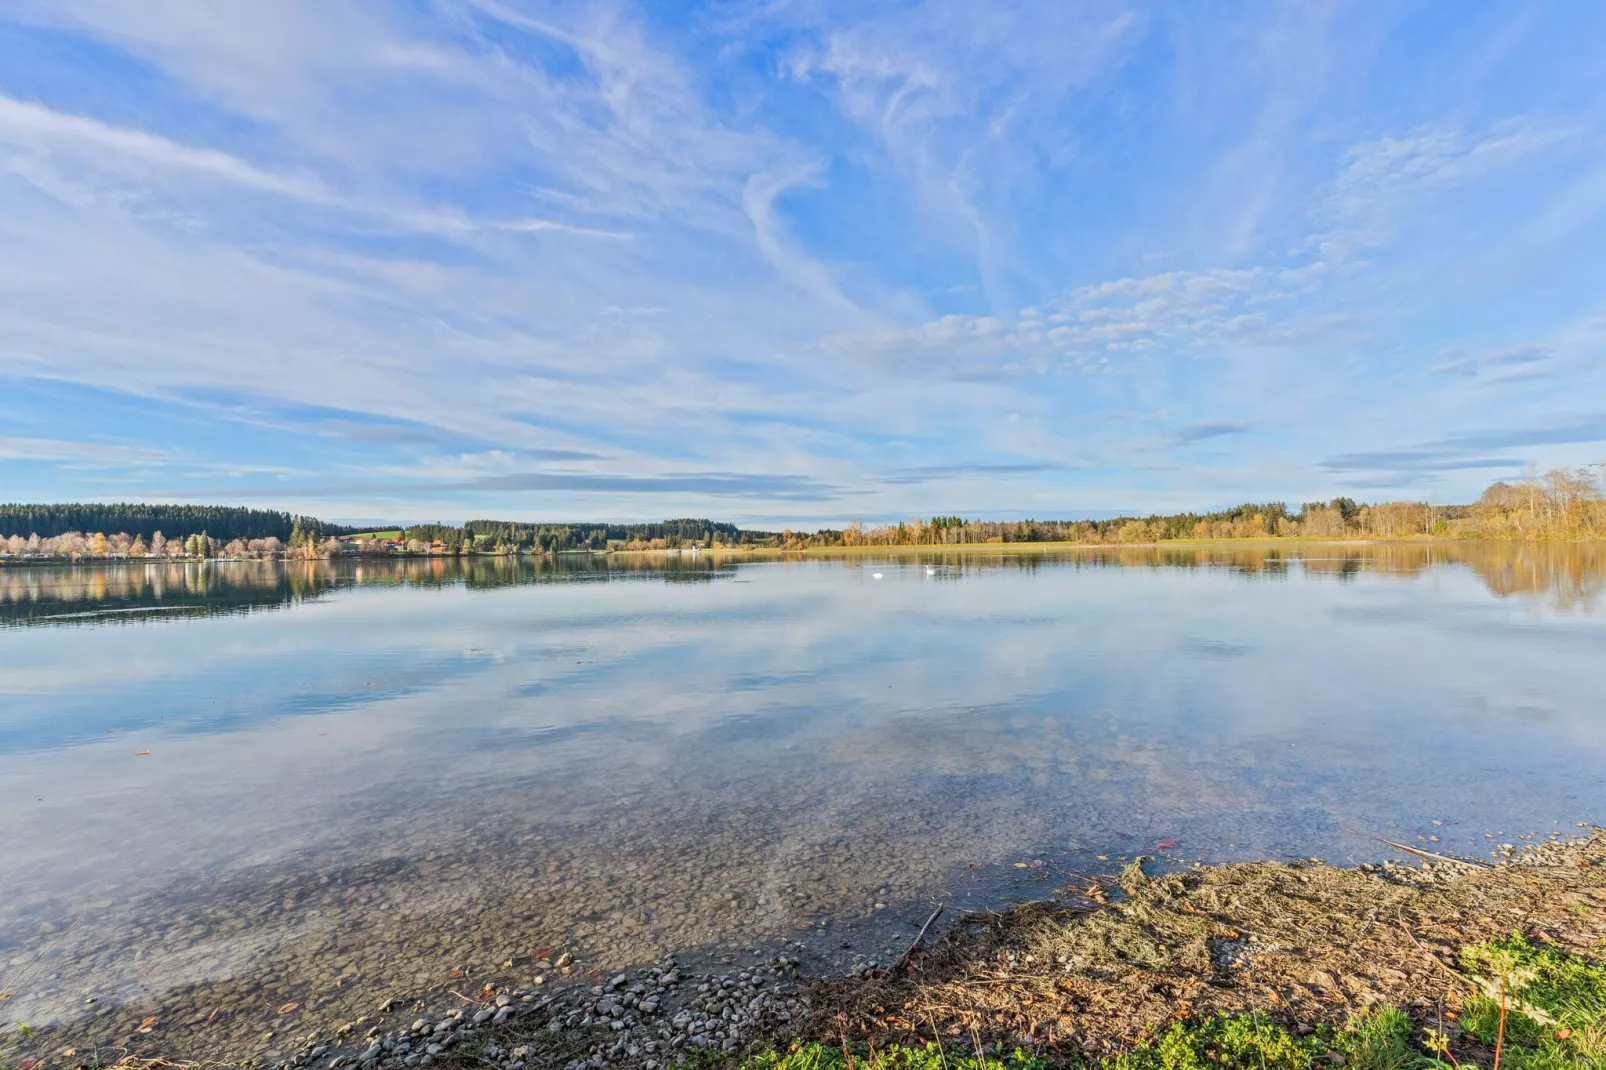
column 1090, row 973
column 649, row 1017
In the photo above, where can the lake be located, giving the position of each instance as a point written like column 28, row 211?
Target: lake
column 230, row 787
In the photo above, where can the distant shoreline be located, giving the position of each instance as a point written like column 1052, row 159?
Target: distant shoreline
column 785, row 553
column 1563, row 505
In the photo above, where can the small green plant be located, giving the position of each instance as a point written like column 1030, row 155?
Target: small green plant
column 1437, row 1042
column 1228, row 1042
column 1539, row 1008
column 1380, row 1039
column 895, row 1057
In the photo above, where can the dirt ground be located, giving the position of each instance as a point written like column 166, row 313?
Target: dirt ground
column 1104, row 966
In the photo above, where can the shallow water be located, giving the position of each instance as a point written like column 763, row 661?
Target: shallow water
column 362, row 777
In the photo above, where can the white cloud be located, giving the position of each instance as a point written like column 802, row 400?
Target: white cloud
column 1385, row 180
column 28, row 127
column 110, row 455
column 816, row 234
column 963, row 99
column 536, row 226
column 758, row 200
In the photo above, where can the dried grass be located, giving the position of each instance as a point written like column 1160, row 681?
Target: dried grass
column 1307, row 943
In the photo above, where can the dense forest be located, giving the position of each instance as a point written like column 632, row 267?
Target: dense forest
column 549, row 538
column 1562, row 504
column 220, row 521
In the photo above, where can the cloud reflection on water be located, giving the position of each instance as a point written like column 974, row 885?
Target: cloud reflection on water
column 462, row 726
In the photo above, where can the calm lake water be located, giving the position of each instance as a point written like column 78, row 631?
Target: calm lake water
column 361, row 777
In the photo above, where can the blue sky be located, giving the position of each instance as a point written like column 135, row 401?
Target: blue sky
column 796, row 262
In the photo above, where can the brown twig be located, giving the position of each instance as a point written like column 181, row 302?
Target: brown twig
column 1436, row 960
column 1440, row 858
column 1500, row 1037
column 903, row 960
column 942, row 1056
column 470, row 999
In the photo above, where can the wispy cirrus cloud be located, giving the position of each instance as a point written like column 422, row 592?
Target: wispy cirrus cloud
column 933, row 473
column 1468, row 451
column 1412, row 460
column 29, row 129
column 90, row 454
column 1388, row 180
column 598, row 254
column 719, row 486
column 1205, row 430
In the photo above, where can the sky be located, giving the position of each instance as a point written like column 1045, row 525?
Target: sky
column 796, row 263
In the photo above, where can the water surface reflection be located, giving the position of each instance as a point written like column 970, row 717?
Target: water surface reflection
column 424, row 765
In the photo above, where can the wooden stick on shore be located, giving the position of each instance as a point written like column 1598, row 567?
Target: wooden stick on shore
column 904, row 959
column 1434, row 958
column 1441, row 858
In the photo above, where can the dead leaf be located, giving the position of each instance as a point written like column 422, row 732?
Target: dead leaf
column 544, row 952
column 286, row 1008
column 67, row 1053
column 455, row 974
column 148, row 1024
column 1167, row 844
column 141, row 753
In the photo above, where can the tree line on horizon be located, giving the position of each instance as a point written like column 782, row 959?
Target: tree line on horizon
column 510, row 536
column 1563, row 503
column 226, row 522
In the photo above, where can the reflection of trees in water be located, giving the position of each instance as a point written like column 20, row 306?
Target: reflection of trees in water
column 1571, row 575
column 1567, row 575
column 133, row 591
column 156, row 590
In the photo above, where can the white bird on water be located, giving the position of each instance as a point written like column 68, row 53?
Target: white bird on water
column 930, row 571
column 875, row 575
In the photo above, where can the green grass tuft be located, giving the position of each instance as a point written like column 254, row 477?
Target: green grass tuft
column 1555, row 1004
column 1381, row 1039
column 895, row 1057
column 1248, row 1041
